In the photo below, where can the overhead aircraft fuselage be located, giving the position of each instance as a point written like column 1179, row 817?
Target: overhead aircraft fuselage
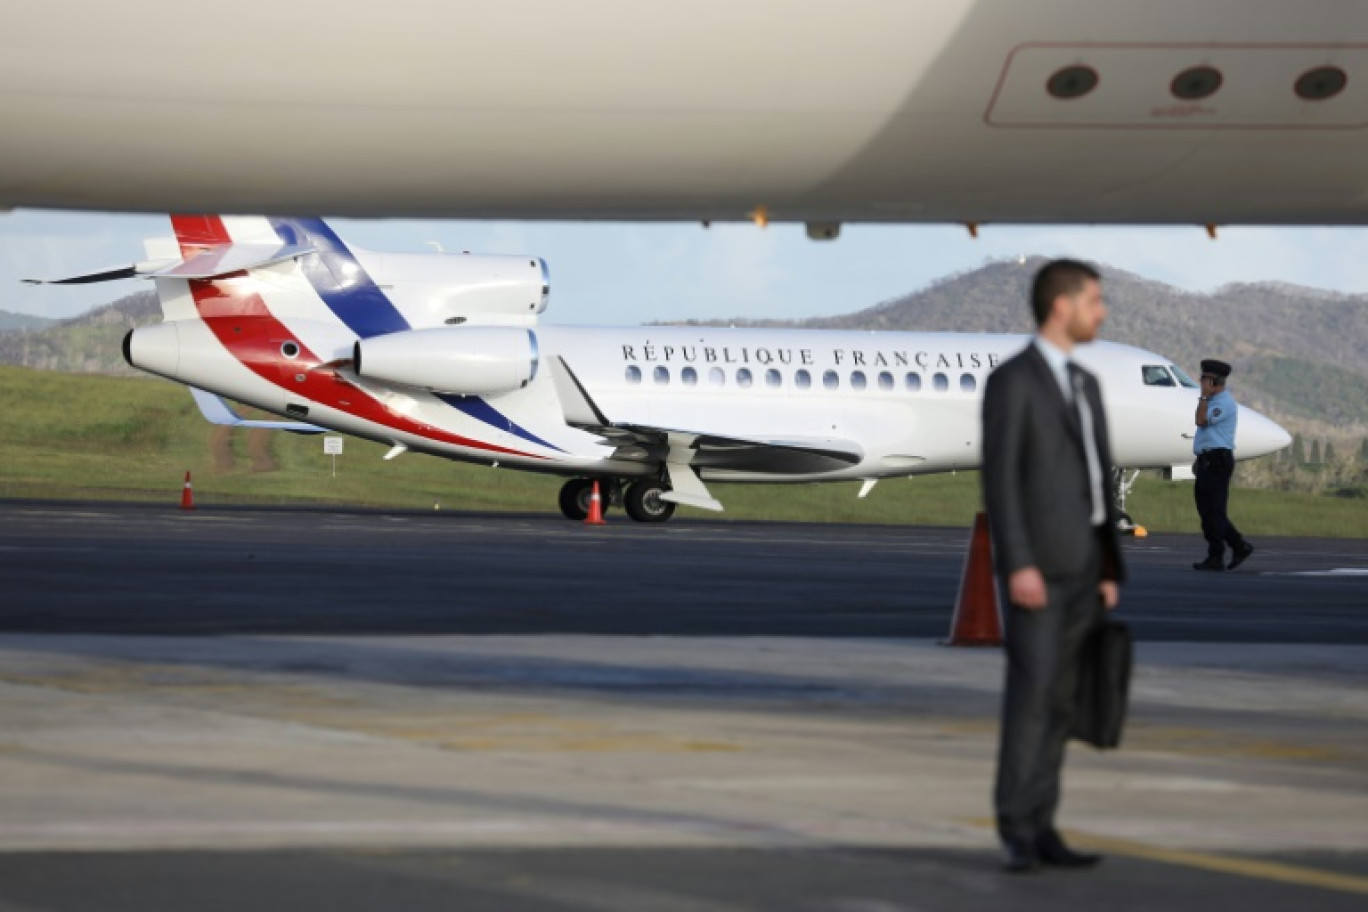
column 1174, row 111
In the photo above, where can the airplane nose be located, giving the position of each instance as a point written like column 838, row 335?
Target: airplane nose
column 1258, row 435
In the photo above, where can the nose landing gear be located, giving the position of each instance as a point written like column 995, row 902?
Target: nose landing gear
column 1123, row 484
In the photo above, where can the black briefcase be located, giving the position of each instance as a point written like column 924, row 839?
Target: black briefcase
column 1104, row 685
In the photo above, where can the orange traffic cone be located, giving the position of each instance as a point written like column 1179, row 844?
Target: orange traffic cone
column 187, row 494
column 595, row 517
column 976, row 621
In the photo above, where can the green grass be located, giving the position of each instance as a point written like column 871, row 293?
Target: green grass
column 74, row 436
column 1168, row 507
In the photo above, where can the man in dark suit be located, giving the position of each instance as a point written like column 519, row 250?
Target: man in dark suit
column 1047, row 488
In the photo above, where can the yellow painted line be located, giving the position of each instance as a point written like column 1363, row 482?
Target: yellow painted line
column 510, row 733
column 1225, row 864
column 1198, row 742
column 1253, row 868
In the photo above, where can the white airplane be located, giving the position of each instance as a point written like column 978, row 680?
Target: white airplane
column 971, row 111
column 444, row 354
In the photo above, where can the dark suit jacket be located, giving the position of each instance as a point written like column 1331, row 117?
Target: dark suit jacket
column 1035, row 472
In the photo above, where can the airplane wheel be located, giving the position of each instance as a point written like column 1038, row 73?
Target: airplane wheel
column 574, row 498
column 575, row 495
column 1125, row 525
column 643, row 502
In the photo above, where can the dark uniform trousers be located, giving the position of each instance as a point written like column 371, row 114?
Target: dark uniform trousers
column 1212, row 493
column 1043, row 654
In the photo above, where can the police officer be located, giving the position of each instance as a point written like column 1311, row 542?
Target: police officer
column 1214, row 444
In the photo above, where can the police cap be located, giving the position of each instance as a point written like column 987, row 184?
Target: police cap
column 1216, row 368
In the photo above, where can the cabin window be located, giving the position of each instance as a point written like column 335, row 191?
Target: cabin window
column 830, row 380
column 1183, row 378
column 912, row 382
column 1156, row 375
column 802, row 379
column 857, row 380
column 662, row 375
column 773, row 379
column 688, row 376
column 633, row 374
column 717, row 377
column 885, row 380
column 743, row 377
column 967, row 383
column 940, row 382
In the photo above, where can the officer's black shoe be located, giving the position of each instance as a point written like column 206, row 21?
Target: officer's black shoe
column 1241, row 555
column 1052, row 851
column 1020, row 856
column 1210, row 565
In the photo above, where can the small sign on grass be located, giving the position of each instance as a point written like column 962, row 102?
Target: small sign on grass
column 332, row 446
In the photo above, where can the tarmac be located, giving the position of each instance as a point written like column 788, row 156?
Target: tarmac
column 355, row 710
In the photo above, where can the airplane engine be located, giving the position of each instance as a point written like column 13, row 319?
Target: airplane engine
column 470, row 360
column 451, row 289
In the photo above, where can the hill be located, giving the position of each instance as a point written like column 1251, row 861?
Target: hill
column 10, row 322
column 89, row 344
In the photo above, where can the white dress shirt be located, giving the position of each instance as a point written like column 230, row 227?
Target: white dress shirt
column 1059, row 363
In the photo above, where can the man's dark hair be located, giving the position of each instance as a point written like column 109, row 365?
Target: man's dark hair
column 1055, row 278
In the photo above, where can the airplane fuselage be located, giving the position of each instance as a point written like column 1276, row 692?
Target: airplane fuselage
column 909, row 401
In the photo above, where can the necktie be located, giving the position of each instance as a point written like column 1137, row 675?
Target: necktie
column 1085, row 422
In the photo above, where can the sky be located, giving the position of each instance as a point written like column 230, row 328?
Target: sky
column 630, row 273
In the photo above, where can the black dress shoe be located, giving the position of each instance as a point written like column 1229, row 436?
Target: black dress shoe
column 1241, row 555
column 1210, row 565
column 1020, row 856
column 1052, row 851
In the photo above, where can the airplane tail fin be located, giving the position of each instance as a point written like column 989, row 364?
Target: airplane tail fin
column 206, row 269
column 197, row 233
column 219, row 247
column 331, row 272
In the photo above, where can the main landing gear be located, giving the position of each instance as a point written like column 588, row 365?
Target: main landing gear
column 641, row 499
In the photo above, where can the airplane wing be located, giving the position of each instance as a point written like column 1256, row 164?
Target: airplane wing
column 216, row 411
column 782, row 455
column 685, row 451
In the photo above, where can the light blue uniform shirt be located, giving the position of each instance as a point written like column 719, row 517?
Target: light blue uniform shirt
column 1219, row 434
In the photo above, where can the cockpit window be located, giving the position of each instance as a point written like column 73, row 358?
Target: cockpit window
column 1157, row 375
column 1183, row 379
